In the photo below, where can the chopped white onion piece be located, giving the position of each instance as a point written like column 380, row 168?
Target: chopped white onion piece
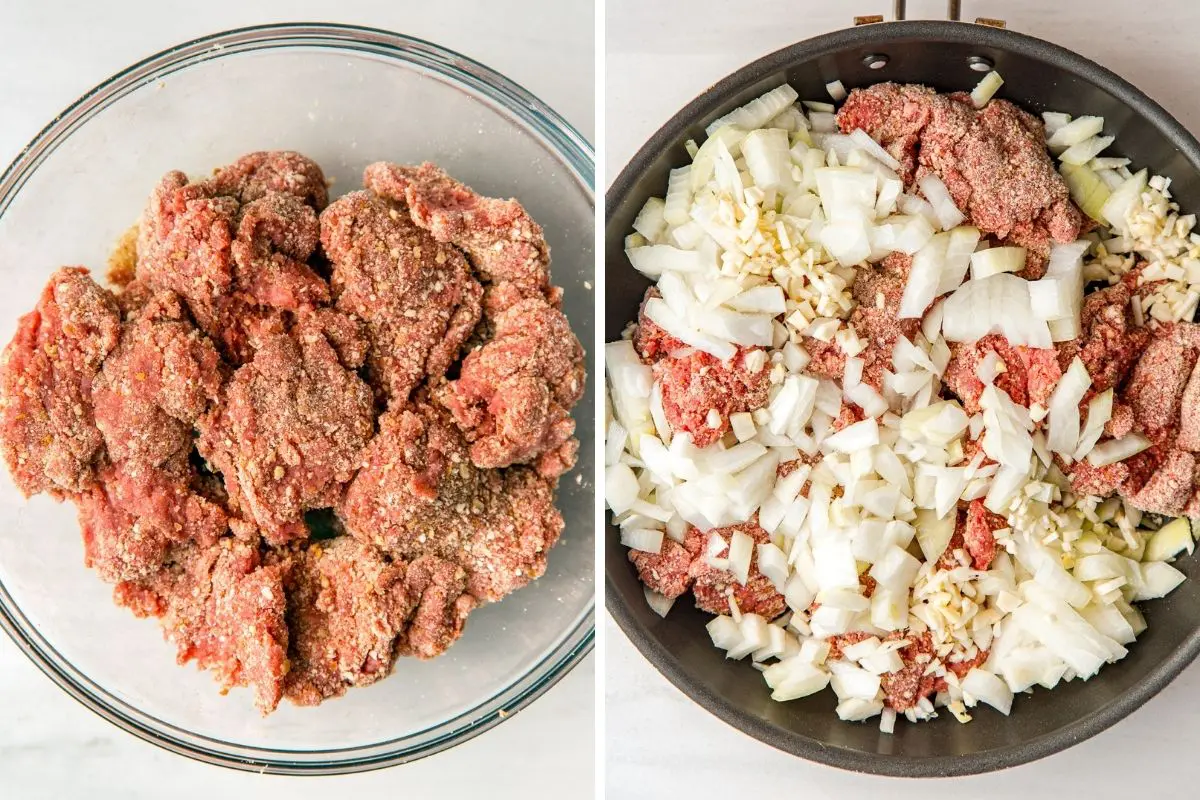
column 1169, row 541
column 1063, row 435
column 995, row 260
column 741, row 548
column 620, row 488
column 757, row 112
column 642, row 539
column 1085, row 151
column 854, row 437
column 1074, row 132
column 986, row 88
column 985, row 687
column 836, row 90
column 1115, row 450
column 939, row 197
column 659, row 603
column 874, row 149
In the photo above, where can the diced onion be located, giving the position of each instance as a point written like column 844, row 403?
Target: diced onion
column 986, row 88
column 939, row 197
column 757, row 112
column 661, row 604
column 995, row 260
column 1074, row 132
column 1115, row 450
column 986, row 687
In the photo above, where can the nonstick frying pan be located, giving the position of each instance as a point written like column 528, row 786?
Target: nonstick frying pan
column 948, row 56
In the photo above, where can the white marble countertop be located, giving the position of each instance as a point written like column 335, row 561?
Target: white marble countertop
column 659, row 743
column 52, row 748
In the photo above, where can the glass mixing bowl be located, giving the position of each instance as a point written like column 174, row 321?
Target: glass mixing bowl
column 345, row 96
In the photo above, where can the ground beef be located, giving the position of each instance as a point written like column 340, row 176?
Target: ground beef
column 876, row 319
column 506, row 247
column 136, row 512
column 234, row 247
column 1170, row 487
column 436, row 587
column 513, row 395
column 207, row 414
column 352, row 611
column 418, row 493
column 992, row 160
column 1029, row 375
column 904, row 688
column 669, row 571
column 1109, row 341
column 256, row 174
column 276, row 236
column 49, row 439
column 223, row 609
column 1189, row 413
column 712, row 587
column 416, row 295
column 287, row 432
column 979, row 538
column 1126, row 477
column 156, row 384
column 1155, row 388
column 694, row 382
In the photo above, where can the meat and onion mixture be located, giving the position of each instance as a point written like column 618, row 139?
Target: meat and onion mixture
column 913, row 405
column 394, row 364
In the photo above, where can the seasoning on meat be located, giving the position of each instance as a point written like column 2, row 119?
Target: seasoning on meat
column 155, row 384
column 287, row 432
column 505, row 245
column 254, row 175
column 135, row 512
column 209, row 412
column 418, row 493
column 992, row 160
column 695, row 383
column 223, row 609
column 50, row 441
column 347, row 603
column 416, row 296
column 514, row 394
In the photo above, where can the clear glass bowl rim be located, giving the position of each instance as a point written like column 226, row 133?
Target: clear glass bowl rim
column 488, row 85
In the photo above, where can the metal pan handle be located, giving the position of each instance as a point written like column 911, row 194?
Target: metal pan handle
column 953, row 12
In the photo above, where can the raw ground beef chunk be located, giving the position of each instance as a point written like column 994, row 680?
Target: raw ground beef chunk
column 50, row 441
column 699, row 391
column 416, row 295
column 288, row 432
column 506, row 247
column 679, row 567
column 346, row 606
column 514, row 394
column 1029, row 375
column 223, row 609
column 156, row 384
column 236, row 247
column 993, row 161
column 136, row 512
column 418, row 493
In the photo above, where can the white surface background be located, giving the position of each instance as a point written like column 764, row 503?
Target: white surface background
column 659, row 744
column 50, row 746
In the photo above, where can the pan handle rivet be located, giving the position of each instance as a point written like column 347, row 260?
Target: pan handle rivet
column 875, row 61
column 980, row 63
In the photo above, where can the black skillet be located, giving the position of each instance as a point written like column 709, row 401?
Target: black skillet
column 1039, row 76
